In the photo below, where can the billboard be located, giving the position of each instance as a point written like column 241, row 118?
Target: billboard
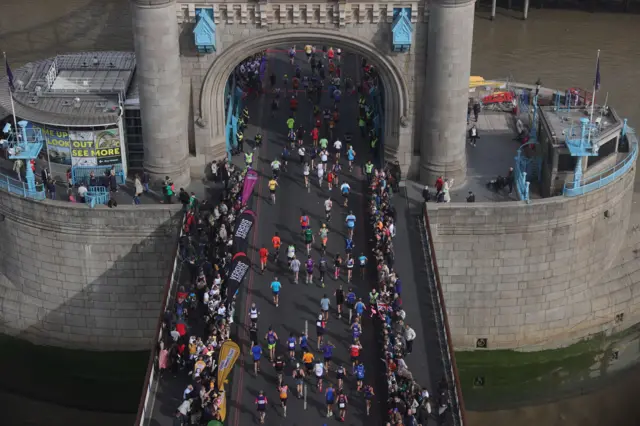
column 58, row 144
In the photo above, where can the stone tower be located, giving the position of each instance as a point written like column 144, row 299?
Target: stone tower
column 162, row 104
column 443, row 149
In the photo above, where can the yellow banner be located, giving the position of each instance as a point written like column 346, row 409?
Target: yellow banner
column 229, row 353
column 223, row 405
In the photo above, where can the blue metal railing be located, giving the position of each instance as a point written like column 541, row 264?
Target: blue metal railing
column 97, row 195
column 18, row 187
column 375, row 101
column 83, row 174
column 583, row 186
column 234, row 109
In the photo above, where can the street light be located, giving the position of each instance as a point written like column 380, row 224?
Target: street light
column 538, row 84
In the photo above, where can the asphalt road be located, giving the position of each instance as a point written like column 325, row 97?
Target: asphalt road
column 300, row 304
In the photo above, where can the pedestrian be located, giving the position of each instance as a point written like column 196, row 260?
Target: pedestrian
column 476, row 111
column 473, row 135
column 409, row 337
column 145, row 181
column 471, row 198
column 426, row 195
column 138, row 190
column 510, row 179
column 17, row 167
column 51, row 187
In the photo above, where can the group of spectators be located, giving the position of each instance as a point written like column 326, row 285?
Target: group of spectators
column 198, row 323
column 409, row 403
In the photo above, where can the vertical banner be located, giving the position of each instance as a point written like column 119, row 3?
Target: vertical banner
column 57, row 143
column 239, row 267
column 223, row 405
column 108, row 147
column 250, row 181
column 244, row 223
column 229, row 353
column 82, row 148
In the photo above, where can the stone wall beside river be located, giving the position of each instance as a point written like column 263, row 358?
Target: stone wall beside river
column 542, row 274
column 77, row 277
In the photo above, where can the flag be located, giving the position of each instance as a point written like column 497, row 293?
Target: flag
column 228, row 356
column 9, row 74
column 596, row 85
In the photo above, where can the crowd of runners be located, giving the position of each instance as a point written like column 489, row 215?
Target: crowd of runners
column 300, row 359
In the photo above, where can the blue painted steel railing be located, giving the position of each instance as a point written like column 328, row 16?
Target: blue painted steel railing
column 83, row 174
column 97, row 195
column 520, row 177
column 375, row 101
column 583, row 186
column 15, row 186
column 234, row 109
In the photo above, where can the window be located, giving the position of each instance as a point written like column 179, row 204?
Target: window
column 134, row 141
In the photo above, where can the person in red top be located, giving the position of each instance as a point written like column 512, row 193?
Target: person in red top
column 354, row 351
column 318, row 123
column 315, row 134
column 181, row 328
column 304, row 222
column 264, row 254
column 293, row 104
column 296, row 83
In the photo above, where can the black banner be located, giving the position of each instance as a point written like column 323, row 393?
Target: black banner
column 244, row 223
column 240, row 265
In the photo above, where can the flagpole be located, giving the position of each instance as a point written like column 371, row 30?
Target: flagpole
column 593, row 96
column 13, row 109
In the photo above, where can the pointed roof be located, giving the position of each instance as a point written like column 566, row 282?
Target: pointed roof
column 205, row 30
column 402, row 28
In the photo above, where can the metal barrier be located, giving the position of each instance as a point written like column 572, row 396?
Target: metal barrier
column 583, row 186
column 451, row 370
column 150, row 377
column 97, row 195
column 82, row 174
column 375, row 100
column 18, row 187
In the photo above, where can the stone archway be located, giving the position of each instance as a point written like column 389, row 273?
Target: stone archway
column 396, row 99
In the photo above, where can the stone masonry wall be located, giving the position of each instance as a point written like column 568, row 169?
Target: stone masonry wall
column 86, row 278
column 370, row 22
column 538, row 275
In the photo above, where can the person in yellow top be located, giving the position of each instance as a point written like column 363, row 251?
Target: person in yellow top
column 307, row 360
column 308, row 49
column 284, row 394
column 273, row 184
column 199, row 367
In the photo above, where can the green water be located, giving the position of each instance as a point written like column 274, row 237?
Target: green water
column 86, row 380
column 501, row 379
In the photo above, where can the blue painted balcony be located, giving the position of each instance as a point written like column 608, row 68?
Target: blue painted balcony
column 402, row 29
column 27, row 142
column 205, row 31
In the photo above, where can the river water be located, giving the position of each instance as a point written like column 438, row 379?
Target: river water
column 557, row 46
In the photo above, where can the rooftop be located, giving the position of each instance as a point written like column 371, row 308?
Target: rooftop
column 76, row 90
column 565, row 123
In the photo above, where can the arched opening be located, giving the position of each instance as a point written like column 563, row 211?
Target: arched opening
column 395, row 99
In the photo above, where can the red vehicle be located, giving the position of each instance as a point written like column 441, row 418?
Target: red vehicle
column 501, row 101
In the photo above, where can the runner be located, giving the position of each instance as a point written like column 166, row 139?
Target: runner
column 360, row 307
column 275, row 168
column 340, row 373
column 278, row 365
column 253, row 332
column 356, row 329
column 342, row 405
column 305, row 172
column 321, row 326
column 315, row 133
column 350, row 220
column 307, row 360
column 276, row 242
column 368, row 396
column 301, row 154
column 362, row 261
column 264, row 254
column 291, row 346
column 309, row 266
column 304, row 222
column 328, row 205
column 291, row 254
column 324, row 237
column 304, row 342
column 325, row 303
column 354, row 352
column 256, row 351
column 320, row 169
column 330, row 178
column 273, row 184
column 337, row 168
column 337, row 263
column 324, row 143
column 284, row 394
column 348, row 247
column 351, row 302
column 358, row 371
column 323, row 268
column 300, row 135
column 327, row 351
column 294, row 264
column 337, row 146
column 318, row 369
column 351, row 157
column 330, row 397
column 339, row 294
column 261, row 403
column 309, row 239
column 345, row 189
column 275, row 289
column 308, row 49
column 285, row 157
column 292, row 55
column 254, row 313
column 298, row 376
column 291, row 122
column 272, row 338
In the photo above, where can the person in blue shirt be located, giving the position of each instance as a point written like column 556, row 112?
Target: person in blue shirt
column 304, row 342
column 291, row 346
column 362, row 261
column 256, row 351
column 351, row 302
column 272, row 339
column 351, row 223
column 348, row 245
column 358, row 371
column 360, row 307
column 356, row 329
column 275, row 289
column 330, row 395
column 327, row 351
